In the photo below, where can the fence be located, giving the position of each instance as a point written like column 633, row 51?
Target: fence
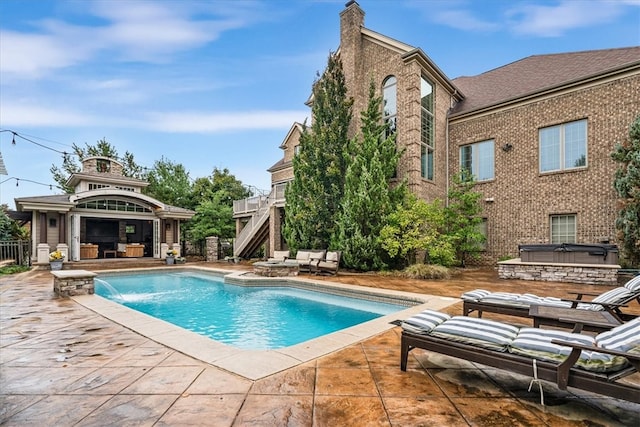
column 17, row 250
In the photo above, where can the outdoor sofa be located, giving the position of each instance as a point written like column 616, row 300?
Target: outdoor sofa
column 308, row 259
column 513, row 304
column 595, row 364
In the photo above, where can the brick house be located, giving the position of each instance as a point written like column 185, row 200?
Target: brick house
column 536, row 133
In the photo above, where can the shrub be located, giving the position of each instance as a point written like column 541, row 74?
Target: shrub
column 426, row 271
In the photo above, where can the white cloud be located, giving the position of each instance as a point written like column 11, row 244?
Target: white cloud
column 555, row 20
column 32, row 55
column 191, row 122
column 141, row 31
column 199, row 122
column 13, row 116
column 463, row 20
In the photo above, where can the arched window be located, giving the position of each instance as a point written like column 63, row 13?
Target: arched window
column 390, row 103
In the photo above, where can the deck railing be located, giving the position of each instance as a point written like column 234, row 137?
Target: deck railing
column 259, row 208
column 17, row 250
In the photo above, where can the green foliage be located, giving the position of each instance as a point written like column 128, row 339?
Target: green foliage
column 10, row 229
column 13, row 269
column 314, row 195
column 213, row 218
column 169, row 182
column 462, row 218
column 368, row 199
column 102, row 148
column 414, row 227
column 212, row 198
column 627, row 186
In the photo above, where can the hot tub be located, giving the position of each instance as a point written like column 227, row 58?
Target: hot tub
column 570, row 253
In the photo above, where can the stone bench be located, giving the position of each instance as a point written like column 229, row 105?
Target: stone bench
column 73, row 282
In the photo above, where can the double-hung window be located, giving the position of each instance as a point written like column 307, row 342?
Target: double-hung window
column 478, row 159
column 563, row 147
column 427, row 134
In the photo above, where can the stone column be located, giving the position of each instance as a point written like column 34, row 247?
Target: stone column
column 212, row 248
column 43, row 253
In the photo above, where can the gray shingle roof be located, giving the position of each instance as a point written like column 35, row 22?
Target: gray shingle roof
column 538, row 73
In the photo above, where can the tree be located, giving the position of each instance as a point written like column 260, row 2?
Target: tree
column 9, row 228
column 462, row 218
column 627, row 186
column 169, row 182
column 417, row 226
column 102, row 148
column 314, row 195
column 212, row 199
column 368, row 198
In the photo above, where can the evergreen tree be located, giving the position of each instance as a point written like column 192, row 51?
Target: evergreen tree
column 314, row 195
column 462, row 217
column 368, row 198
column 627, row 186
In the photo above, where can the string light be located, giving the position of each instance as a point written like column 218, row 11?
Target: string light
column 31, row 181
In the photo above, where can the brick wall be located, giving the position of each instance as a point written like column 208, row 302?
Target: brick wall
column 523, row 198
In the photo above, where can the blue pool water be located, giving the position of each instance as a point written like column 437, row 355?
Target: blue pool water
column 245, row 317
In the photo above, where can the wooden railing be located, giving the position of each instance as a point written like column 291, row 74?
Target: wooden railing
column 253, row 204
column 17, row 250
column 259, row 208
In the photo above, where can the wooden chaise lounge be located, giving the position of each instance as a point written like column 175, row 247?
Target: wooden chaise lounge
column 511, row 304
column 562, row 362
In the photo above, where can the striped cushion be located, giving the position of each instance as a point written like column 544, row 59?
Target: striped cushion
column 505, row 298
column 424, row 322
column 625, row 337
column 613, row 296
column 475, row 331
column 536, row 343
column 474, row 295
column 633, row 285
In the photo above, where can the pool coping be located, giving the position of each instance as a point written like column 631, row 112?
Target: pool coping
column 256, row 364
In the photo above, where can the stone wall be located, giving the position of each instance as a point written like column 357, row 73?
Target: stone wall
column 573, row 273
column 68, row 283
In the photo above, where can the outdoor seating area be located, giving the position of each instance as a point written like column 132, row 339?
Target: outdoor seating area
column 513, row 304
column 567, row 359
column 318, row 261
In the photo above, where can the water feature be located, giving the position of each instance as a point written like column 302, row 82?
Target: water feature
column 113, row 292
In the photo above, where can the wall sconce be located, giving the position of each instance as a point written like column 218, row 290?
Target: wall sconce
column 507, row 147
column 167, row 226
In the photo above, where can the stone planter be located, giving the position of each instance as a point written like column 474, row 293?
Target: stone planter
column 170, row 260
column 55, row 265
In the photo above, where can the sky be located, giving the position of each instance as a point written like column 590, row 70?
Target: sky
column 218, row 83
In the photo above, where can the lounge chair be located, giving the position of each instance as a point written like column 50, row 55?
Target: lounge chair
column 279, row 256
column 512, row 304
column 566, row 359
column 329, row 264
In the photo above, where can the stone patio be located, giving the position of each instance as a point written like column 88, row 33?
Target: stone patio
column 62, row 364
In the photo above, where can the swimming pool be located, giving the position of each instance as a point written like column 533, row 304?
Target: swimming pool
column 247, row 317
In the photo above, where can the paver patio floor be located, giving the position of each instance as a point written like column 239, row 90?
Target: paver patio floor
column 63, row 365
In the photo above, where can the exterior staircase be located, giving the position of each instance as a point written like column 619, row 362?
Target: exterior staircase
column 256, row 231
